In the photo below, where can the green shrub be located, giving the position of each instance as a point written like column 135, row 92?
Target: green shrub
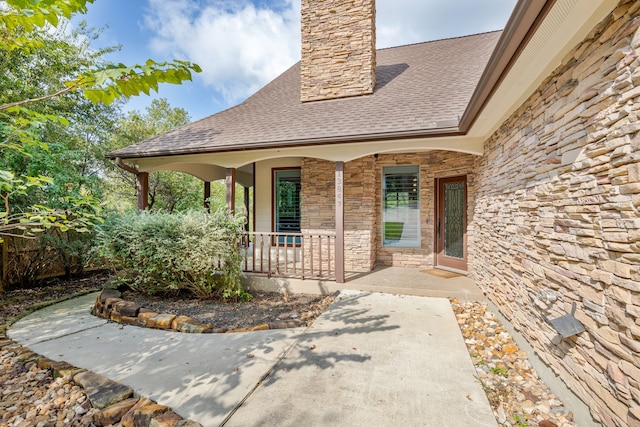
column 49, row 253
column 160, row 253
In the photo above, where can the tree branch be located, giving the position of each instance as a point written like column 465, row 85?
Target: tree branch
column 42, row 98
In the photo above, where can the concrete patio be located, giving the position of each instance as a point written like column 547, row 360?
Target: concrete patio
column 392, row 280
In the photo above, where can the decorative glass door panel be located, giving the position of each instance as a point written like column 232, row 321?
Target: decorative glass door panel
column 451, row 223
column 453, row 219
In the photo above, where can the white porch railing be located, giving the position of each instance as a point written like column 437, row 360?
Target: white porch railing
column 299, row 255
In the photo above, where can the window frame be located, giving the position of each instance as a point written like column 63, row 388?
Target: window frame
column 402, row 242
column 274, row 184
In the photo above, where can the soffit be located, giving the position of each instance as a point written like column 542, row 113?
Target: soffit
column 194, row 163
column 567, row 23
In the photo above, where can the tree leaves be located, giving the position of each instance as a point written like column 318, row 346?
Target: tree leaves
column 99, row 84
column 117, row 81
column 23, row 129
column 32, row 14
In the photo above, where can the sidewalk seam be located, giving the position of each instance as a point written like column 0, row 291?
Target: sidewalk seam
column 263, row 378
column 65, row 335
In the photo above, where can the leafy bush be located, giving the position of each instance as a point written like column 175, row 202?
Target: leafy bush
column 160, row 253
column 49, row 253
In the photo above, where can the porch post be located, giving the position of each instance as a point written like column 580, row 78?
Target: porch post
column 339, row 222
column 246, row 209
column 142, row 190
column 207, row 194
column 231, row 189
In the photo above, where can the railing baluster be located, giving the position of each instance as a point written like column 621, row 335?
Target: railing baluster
column 295, row 249
column 302, row 239
column 245, row 240
column 253, row 253
column 320, row 256
column 262, row 253
column 311, row 254
column 320, row 248
column 329, row 256
column 286, row 254
column 275, row 267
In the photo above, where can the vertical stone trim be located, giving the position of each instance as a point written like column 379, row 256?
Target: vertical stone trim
column 318, row 207
column 338, row 49
column 339, row 184
column 360, row 217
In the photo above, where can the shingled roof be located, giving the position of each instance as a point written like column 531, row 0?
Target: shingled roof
column 422, row 89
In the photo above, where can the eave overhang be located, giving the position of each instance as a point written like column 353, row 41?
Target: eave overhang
column 536, row 38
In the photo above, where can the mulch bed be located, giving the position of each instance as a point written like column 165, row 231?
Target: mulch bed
column 18, row 302
column 265, row 307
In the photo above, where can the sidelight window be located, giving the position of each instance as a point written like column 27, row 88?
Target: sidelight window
column 401, row 206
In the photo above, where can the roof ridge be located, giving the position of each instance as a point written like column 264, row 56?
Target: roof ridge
column 440, row 40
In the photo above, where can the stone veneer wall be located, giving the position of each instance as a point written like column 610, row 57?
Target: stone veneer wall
column 557, row 212
column 318, row 206
column 338, row 49
column 433, row 164
column 363, row 204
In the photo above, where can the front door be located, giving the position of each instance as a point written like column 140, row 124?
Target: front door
column 451, row 223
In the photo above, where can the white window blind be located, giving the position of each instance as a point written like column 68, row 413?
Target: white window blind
column 401, row 206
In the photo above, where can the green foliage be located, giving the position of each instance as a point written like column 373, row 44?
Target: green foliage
column 168, row 190
column 521, row 422
column 500, row 370
column 31, row 15
column 39, row 218
column 54, row 91
column 51, row 251
column 22, row 18
column 163, row 253
column 118, row 81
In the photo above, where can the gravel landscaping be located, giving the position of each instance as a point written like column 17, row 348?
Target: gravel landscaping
column 32, row 397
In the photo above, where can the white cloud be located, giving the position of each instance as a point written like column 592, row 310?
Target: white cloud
column 412, row 21
column 241, row 46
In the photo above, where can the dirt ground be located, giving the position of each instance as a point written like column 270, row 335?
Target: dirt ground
column 265, row 307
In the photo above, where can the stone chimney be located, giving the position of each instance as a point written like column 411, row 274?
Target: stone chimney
column 338, row 49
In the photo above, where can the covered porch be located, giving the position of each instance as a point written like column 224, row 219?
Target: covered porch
column 393, row 280
column 340, row 227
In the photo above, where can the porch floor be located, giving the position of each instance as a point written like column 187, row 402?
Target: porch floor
column 392, row 280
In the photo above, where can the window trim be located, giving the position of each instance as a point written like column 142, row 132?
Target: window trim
column 273, row 194
column 417, row 241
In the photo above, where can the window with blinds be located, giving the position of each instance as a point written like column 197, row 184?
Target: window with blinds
column 287, row 200
column 401, row 206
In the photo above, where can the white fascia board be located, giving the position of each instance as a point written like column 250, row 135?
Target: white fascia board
column 566, row 25
column 210, row 164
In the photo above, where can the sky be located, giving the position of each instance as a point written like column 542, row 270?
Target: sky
column 243, row 44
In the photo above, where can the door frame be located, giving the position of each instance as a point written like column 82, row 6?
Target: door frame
column 287, row 241
column 440, row 260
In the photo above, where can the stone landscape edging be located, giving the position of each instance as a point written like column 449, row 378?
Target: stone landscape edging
column 117, row 403
column 109, row 305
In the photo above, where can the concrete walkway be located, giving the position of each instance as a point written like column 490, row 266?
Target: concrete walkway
column 371, row 359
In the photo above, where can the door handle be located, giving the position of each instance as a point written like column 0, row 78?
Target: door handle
column 439, row 227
